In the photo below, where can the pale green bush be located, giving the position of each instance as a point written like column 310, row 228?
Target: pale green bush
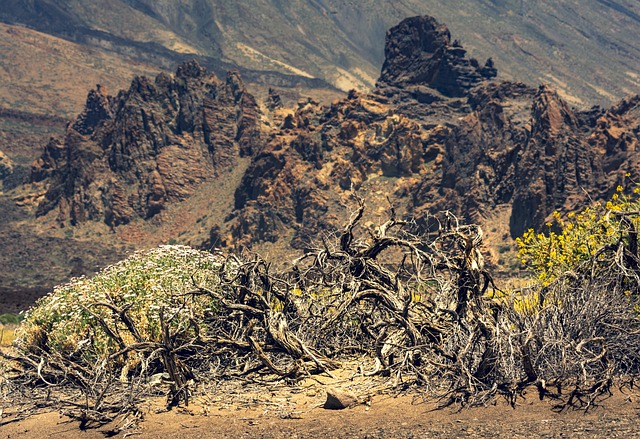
column 74, row 320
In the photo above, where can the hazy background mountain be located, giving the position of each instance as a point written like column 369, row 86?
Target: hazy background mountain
column 588, row 50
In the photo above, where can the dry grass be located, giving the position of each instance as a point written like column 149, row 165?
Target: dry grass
column 7, row 334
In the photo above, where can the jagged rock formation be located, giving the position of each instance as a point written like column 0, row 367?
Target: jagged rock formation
column 449, row 136
column 528, row 149
column 616, row 135
column 274, row 100
column 320, row 155
column 555, row 164
column 419, row 51
column 438, row 132
column 478, row 153
column 127, row 156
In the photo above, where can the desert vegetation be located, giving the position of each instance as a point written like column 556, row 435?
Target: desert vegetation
column 415, row 305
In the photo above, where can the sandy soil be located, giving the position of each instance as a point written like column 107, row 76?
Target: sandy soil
column 272, row 409
column 382, row 417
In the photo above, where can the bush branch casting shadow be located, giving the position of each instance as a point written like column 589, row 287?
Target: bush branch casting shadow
column 421, row 306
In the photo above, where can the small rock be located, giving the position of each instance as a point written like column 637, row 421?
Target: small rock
column 338, row 399
column 158, row 378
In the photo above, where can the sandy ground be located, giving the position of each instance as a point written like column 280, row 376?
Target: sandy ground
column 382, row 417
column 272, row 409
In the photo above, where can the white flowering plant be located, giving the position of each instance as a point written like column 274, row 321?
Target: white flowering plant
column 80, row 318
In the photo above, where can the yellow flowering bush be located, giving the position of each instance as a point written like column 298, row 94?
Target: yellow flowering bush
column 577, row 237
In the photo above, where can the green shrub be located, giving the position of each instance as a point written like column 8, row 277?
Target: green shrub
column 10, row 319
column 74, row 320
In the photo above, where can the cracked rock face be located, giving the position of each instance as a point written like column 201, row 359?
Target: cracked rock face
column 126, row 156
column 6, row 166
column 419, row 51
column 449, row 136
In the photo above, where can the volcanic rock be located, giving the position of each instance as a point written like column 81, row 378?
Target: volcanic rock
column 419, row 51
column 439, row 132
column 6, row 166
column 339, row 399
column 97, row 109
column 477, row 170
column 555, row 166
column 303, row 169
column 274, row 100
column 617, row 133
column 129, row 155
column 450, row 136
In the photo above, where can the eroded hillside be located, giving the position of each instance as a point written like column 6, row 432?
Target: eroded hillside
column 587, row 51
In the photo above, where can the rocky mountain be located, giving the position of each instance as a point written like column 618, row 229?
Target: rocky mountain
column 127, row 156
column 194, row 158
column 439, row 130
column 442, row 136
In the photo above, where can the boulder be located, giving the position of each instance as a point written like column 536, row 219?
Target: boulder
column 339, row 399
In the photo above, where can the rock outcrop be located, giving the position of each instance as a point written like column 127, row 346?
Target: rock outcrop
column 616, row 135
column 318, row 157
column 440, row 131
column 448, row 135
column 127, row 156
column 556, row 164
column 419, row 51
column 479, row 154
column 6, row 166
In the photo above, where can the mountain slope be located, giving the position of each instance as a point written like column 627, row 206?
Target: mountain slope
column 190, row 158
column 587, row 50
column 47, row 75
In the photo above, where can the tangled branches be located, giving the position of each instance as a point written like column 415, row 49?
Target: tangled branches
column 581, row 331
column 422, row 307
column 396, row 294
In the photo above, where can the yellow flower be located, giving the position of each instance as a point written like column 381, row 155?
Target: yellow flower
column 619, row 188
